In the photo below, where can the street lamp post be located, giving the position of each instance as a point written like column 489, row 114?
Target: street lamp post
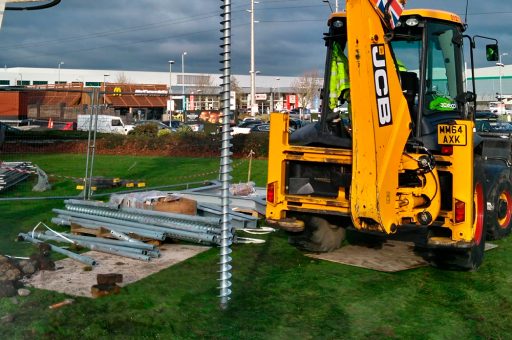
column 105, row 89
column 170, row 89
column 252, row 71
column 183, row 85
column 278, row 94
column 60, row 63
column 501, row 65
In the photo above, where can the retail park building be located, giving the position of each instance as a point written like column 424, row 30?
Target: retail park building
column 134, row 94
column 64, row 93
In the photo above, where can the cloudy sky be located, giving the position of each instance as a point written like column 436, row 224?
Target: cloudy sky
column 144, row 34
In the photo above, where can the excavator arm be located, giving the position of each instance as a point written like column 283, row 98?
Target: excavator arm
column 381, row 121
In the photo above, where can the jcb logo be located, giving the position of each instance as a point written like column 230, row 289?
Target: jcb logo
column 381, row 85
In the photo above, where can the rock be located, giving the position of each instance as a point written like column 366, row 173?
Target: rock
column 44, row 249
column 28, row 267
column 14, row 300
column 104, row 290
column 23, row 292
column 7, row 288
column 9, row 272
column 7, row 318
column 109, row 279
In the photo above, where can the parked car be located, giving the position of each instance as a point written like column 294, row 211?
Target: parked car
column 265, row 127
column 296, row 124
column 493, row 126
column 245, row 127
column 159, row 124
column 105, row 124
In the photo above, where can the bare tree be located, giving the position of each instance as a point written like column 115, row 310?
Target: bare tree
column 204, row 82
column 306, row 87
column 122, row 78
column 235, row 87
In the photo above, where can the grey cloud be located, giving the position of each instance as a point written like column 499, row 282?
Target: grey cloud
column 145, row 34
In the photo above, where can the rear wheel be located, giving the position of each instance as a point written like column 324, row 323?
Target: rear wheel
column 500, row 216
column 318, row 236
column 467, row 258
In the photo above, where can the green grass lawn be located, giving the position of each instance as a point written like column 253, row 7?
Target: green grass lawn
column 278, row 293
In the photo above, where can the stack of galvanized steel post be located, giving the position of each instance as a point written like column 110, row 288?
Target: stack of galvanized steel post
column 143, row 223
column 11, row 173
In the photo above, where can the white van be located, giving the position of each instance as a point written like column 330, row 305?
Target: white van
column 106, row 124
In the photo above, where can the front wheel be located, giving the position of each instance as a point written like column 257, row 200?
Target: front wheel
column 500, row 199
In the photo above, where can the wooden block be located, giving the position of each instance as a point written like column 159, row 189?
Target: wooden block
column 180, row 206
column 104, row 290
column 79, row 230
column 109, row 279
column 251, row 212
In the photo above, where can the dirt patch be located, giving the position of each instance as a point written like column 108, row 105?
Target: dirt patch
column 70, row 277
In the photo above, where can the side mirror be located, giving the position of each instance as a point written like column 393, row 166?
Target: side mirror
column 492, row 52
column 466, row 97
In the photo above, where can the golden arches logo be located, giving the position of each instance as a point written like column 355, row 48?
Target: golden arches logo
column 117, row 91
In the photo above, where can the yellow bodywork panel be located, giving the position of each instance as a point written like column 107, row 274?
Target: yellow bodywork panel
column 281, row 152
column 380, row 120
column 463, row 185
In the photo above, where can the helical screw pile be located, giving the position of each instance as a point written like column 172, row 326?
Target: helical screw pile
column 225, row 161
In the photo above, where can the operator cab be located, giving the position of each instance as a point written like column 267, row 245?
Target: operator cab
column 428, row 53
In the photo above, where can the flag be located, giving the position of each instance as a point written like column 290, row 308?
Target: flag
column 394, row 12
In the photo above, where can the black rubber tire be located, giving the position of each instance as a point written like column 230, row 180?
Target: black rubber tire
column 499, row 220
column 468, row 259
column 318, row 236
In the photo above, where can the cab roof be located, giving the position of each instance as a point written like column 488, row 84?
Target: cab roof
column 424, row 13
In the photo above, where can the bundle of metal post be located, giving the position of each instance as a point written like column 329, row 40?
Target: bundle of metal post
column 84, row 219
column 238, row 220
column 67, row 220
column 12, row 173
column 80, row 258
column 108, row 248
column 177, row 218
column 140, row 245
column 166, row 220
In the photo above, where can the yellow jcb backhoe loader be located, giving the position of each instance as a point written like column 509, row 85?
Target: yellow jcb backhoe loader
column 395, row 147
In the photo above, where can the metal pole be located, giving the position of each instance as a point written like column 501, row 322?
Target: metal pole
column 225, row 161
column 89, row 141
column 278, row 94
column 95, row 107
column 253, row 74
column 170, row 91
column 183, row 108
column 60, row 63
column 336, row 5
column 105, row 89
column 80, row 258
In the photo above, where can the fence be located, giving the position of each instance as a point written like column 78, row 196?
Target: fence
column 90, row 163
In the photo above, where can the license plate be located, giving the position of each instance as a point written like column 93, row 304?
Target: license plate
column 451, row 134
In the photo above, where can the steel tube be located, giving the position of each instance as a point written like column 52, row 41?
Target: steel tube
column 96, row 240
column 137, row 227
column 80, row 258
column 98, row 225
column 166, row 215
column 140, row 221
column 225, row 161
column 120, row 253
column 88, row 244
column 140, row 245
